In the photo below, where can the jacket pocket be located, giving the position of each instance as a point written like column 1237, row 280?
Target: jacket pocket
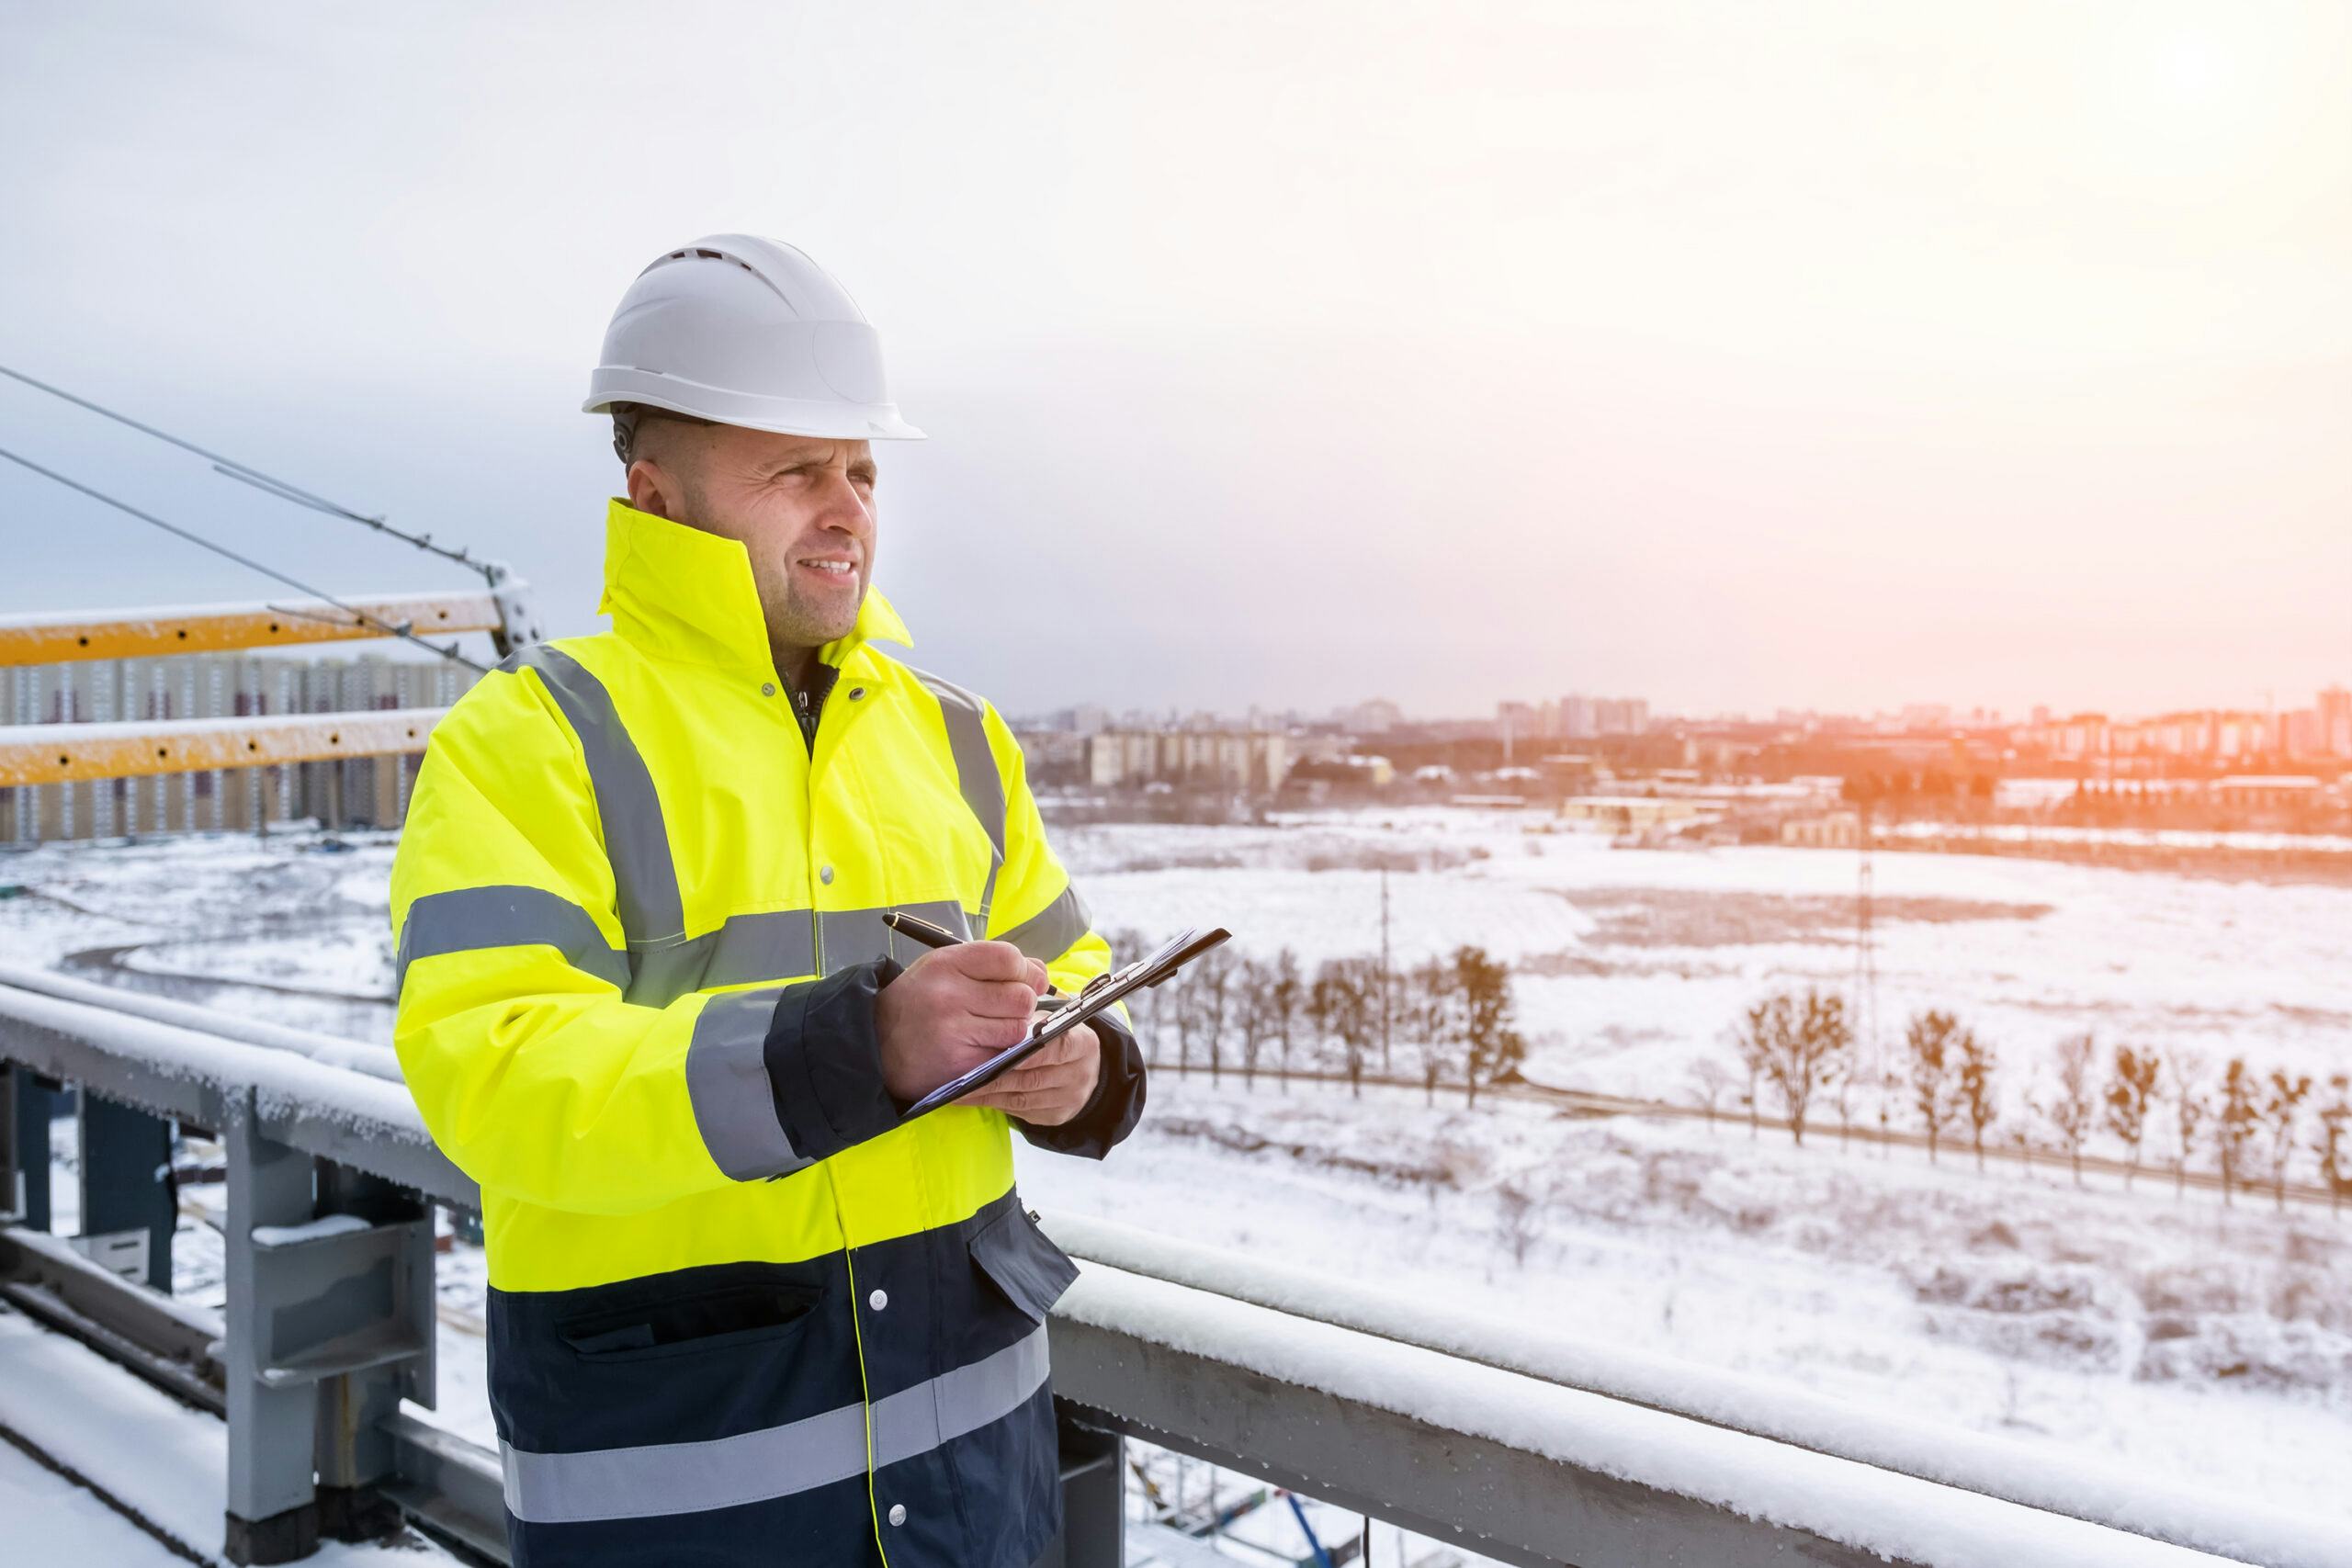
column 1022, row 1261
column 727, row 1318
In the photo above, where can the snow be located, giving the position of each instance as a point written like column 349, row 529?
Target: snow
column 310, row 1229
column 194, row 729
column 157, row 1456
column 2003, row 1331
column 1631, row 962
column 282, row 1083
column 153, row 616
column 2093, row 1348
column 2213, row 1521
column 1870, row 1509
column 53, row 1520
column 2130, row 838
column 325, row 1049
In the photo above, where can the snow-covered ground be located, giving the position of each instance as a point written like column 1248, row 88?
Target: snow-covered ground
column 2173, row 1339
column 1631, row 964
column 86, row 1414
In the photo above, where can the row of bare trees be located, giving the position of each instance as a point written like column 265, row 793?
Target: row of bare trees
column 1446, row 1021
column 1798, row 1052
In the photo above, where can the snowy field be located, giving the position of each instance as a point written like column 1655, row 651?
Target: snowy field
column 1630, row 964
column 2171, row 1339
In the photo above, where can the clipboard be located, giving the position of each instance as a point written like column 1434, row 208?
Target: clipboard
column 1099, row 994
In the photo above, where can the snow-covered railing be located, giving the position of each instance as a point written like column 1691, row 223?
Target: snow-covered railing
column 1522, row 1448
column 327, row 1049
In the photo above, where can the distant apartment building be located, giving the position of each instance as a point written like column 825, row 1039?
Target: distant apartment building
column 2334, row 712
column 1245, row 761
column 2209, row 735
column 1621, row 715
column 355, row 792
column 1378, row 716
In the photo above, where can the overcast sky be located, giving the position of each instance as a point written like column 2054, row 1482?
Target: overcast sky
column 1736, row 355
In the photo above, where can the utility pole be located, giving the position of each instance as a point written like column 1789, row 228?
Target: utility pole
column 1384, row 971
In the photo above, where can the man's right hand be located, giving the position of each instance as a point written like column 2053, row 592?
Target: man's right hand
column 951, row 1009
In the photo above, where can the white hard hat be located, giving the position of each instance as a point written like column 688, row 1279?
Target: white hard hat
column 744, row 331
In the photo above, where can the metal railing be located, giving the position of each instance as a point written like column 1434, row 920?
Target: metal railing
column 1525, row 1450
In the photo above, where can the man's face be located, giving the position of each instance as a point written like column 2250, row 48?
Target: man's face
column 802, row 506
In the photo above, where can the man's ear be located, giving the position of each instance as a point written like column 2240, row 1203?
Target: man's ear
column 649, row 489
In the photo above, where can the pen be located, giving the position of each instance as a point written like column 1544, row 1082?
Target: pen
column 923, row 932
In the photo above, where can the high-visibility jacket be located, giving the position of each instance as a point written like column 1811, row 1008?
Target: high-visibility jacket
column 738, row 1313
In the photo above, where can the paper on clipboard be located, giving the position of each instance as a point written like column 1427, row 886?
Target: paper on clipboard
column 1099, row 994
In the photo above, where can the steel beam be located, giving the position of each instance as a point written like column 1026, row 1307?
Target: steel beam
column 61, row 753
column 67, row 636
column 1482, row 1495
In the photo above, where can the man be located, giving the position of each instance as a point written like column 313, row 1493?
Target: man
column 739, row 1313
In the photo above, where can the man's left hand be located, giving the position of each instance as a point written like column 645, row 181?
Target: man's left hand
column 1052, row 1086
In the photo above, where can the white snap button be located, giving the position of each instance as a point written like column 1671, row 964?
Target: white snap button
column 768, row 688
column 825, row 874
column 878, row 1300
column 898, row 1513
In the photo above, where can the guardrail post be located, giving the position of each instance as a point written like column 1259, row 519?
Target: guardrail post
column 329, row 1326
column 272, row 1510
column 1094, row 1472
column 128, row 1211
column 24, row 1174
column 355, row 1450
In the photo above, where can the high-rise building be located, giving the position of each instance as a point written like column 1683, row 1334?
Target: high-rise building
column 2335, row 721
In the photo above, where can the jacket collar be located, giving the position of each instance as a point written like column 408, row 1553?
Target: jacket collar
column 678, row 593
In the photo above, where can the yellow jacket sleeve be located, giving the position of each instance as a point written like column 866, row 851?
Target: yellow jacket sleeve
column 1038, row 910
column 532, row 1068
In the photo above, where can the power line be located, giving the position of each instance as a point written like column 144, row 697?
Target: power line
column 245, row 473
column 357, row 614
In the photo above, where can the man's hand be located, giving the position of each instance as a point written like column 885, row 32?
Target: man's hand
column 951, row 1009
column 1049, row 1088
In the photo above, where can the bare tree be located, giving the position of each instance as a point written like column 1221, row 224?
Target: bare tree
column 1326, row 1000
column 1931, row 1037
column 1212, row 986
column 1175, row 996
column 1521, row 1219
column 1250, row 1007
column 1429, row 1008
column 2282, row 1107
column 2071, row 1113
column 2332, row 1142
column 2241, row 1118
column 2189, row 1113
column 1283, row 988
column 1343, row 1001
column 1711, row 1080
column 1492, row 1049
column 1750, row 1040
column 1801, row 1048
column 2128, row 1094
column 1977, row 1063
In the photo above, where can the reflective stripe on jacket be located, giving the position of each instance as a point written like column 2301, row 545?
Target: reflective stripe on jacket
column 737, row 1314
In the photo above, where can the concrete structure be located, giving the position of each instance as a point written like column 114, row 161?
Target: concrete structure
column 1830, row 831
column 1626, row 813
column 1247, row 762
